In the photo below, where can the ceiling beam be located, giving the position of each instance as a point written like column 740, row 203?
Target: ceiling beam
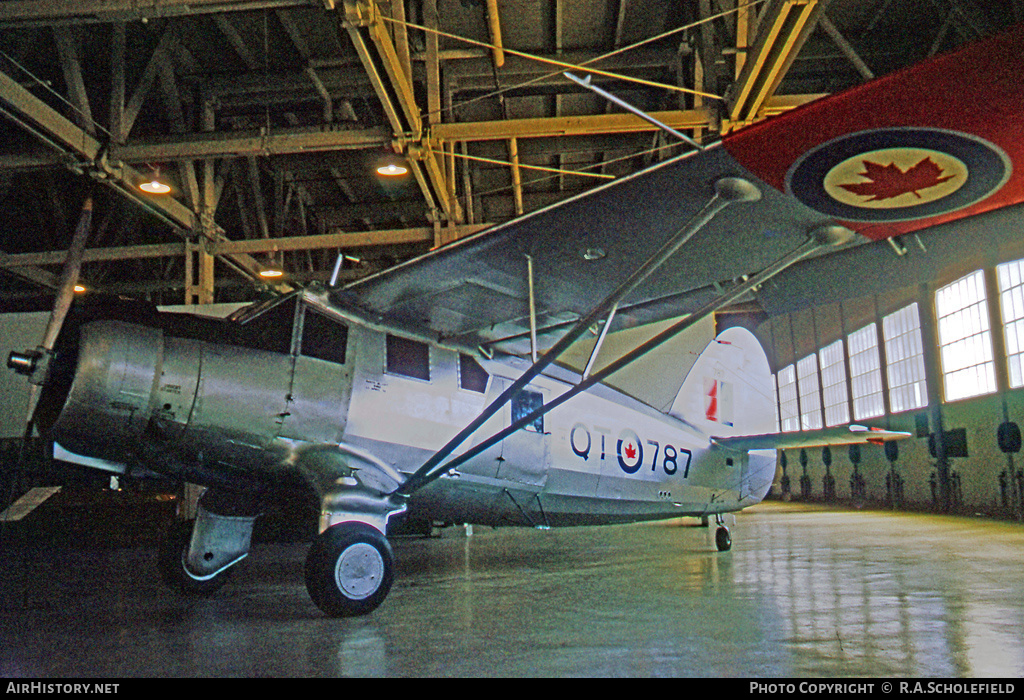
column 566, row 126
column 840, row 41
column 29, row 263
column 782, row 30
column 594, row 124
column 29, row 12
column 66, row 39
column 373, row 44
column 237, row 143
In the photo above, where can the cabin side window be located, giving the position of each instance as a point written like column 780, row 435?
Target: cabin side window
column 408, row 358
column 472, row 376
column 324, row 338
column 525, row 403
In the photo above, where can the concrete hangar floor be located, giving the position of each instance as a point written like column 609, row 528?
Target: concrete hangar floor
column 804, row 591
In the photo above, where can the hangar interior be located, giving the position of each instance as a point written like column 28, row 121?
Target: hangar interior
column 269, row 119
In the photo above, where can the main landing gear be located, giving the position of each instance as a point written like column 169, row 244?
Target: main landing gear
column 349, row 569
column 197, row 556
column 171, row 560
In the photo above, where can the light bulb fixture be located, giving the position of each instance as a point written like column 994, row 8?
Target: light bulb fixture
column 392, row 170
column 271, row 273
column 79, row 288
column 154, row 185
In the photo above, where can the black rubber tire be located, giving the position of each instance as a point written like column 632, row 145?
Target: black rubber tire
column 361, row 551
column 171, row 562
column 723, row 539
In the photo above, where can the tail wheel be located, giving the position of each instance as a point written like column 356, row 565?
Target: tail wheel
column 723, row 539
column 349, row 570
column 171, row 561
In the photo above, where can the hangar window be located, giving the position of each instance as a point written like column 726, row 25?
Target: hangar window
column 810, row 394
column 472, row 376
column 965, row 338
column 324, row 338
column 865, row 373
column 904, row 359
column 834, row 393
column 789, row 404
column 408, row 358
column 1011, row 303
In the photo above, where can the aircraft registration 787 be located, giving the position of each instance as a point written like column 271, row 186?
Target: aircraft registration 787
column 436, row 391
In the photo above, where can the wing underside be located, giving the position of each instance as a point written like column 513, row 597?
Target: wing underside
column 476, row 291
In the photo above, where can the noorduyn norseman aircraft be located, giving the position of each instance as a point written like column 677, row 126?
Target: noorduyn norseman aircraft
column 434, row 391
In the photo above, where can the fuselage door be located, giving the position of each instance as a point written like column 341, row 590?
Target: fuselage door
column 525, row 454
column 322, row 381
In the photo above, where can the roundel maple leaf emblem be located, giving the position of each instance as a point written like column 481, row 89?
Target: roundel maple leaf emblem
column 897, row 174
column 630, row 452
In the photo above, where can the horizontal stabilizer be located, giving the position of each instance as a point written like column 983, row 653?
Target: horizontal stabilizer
column 845, row 435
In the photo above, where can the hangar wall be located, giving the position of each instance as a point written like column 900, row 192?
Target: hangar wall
column 862, row 286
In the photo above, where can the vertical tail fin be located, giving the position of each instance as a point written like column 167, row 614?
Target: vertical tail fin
column 728, row 391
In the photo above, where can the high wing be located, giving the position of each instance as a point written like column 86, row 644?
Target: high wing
column 476, row 290
column 963, row 110
column 922, row 146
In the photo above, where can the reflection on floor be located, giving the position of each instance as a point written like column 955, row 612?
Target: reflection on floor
column 804, row 592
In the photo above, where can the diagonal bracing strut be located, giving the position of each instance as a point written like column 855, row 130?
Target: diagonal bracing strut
column 728, row 190
column 824, row 236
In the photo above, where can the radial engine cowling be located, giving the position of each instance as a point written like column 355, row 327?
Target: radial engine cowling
column 112, row 378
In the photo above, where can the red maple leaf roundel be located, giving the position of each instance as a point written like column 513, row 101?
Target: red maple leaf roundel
column 630, row 451
column 888, row 181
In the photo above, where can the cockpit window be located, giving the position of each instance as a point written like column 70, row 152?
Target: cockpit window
column 266, row 326
column 323, row 337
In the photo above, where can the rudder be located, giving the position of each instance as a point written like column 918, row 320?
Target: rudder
column 728, row 391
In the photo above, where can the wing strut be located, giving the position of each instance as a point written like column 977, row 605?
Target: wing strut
column 585, row 82
column 828, row 235
column 728, row 190
column 600, row 341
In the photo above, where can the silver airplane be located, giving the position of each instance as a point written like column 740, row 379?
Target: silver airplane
column 437, row 392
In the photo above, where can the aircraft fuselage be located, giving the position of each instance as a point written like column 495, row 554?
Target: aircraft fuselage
column 237, row 408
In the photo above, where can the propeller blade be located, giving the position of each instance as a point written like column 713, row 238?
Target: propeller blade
column 61, row 306
column 69, row 276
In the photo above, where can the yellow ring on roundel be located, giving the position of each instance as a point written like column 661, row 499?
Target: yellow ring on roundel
column 893, row 178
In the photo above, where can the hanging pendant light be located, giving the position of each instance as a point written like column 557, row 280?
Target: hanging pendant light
column 154, row 185
column 392, row 170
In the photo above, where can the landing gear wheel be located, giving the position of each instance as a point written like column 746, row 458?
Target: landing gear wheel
column 171, row 561
column 723, row 539
column 349, row 570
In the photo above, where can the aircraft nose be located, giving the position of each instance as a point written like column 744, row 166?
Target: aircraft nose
column 108, row 388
